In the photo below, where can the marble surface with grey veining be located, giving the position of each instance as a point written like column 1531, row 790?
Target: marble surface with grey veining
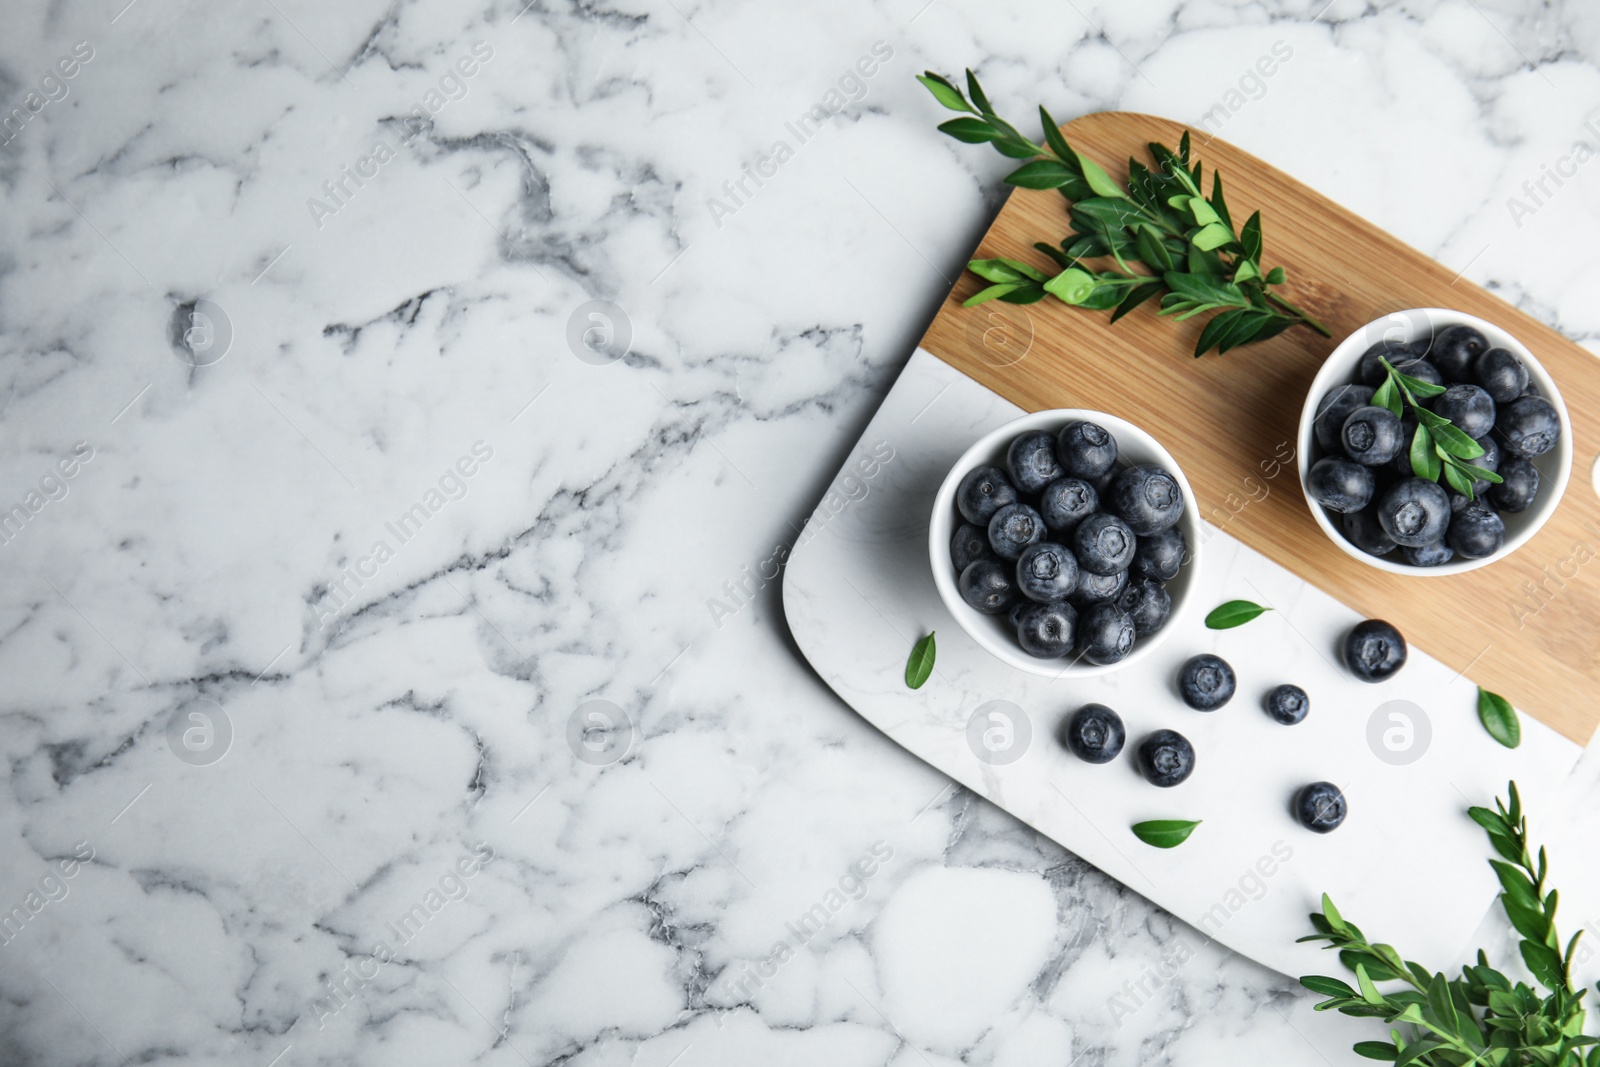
column 407, row 410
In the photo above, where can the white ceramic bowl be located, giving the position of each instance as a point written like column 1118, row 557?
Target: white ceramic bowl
column 994, row 632
column 1555, row 466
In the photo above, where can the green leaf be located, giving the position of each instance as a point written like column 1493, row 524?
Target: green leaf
column 1376, row 1050
column 1458, row 481
column 999, row 269
column 1387, row 396
column 1214, row 235
column 1152, row 251
column 1218, row 328
column 1099, row 180
column 1040, row 174
column 1369, row 992
column 1057, row 143
column 1026, row 293
column 1062, row 259
column 1328, row 987
column 920, row 665
column 993, row 292
column 1098, row 211
column 1250, row 237
column 1071, row 286
column 1424, row 463
column 1108, row 293
column 1499, row 718
column 1247, row 271
column 1164, row 833
column 1205, row 289
column 1276, row 276
column 944, row 92
column 1202, row 212
column 1237, row 613
column 1451, row 439
column 975, row 91
column 970, row 131
column 1217, row 202
column 1544, row 964
column 1015, row 147
column 1136, row 296
column 1516, row 884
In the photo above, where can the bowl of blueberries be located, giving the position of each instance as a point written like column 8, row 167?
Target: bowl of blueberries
column 1064, row 542
column 1432, row 442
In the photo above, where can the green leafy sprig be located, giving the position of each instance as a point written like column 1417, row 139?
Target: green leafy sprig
column 1193, row 257
column 1483, row 1017
column 1438, row 447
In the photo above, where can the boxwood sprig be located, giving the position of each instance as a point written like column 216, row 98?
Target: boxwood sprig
column 1438, row 446
column 1483, row 1017
column 1192, row 255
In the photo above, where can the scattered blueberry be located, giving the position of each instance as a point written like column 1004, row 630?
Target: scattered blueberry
column 1206, row 682
column 1047, row 630
column 1147, row 497
column 1104, row 544
column 1500, row 374
column 1013, row 528
column 969, row 543
column 1166, row 758
column 1095, row 734
column 1341, row 485
column 1363, row 530
column 1476, row 531
column 1374, row 650
column 1528, row 427
column 1320, row 806
column 1147, row 603
column 1105, row 634
column 1160, row 556
column 984, row 491
column 1066, row 502
column 1429, row 555
column 1087, row 450
column 1414, row 512
column 1047, row 572
column 1095, row 589
column 1334, row 407
column 988, row 586
column 1454, row 350
column 1031, row 459
column 1287, row 704
column 1519, row 484
column 1469, row 409
column 1372, row 436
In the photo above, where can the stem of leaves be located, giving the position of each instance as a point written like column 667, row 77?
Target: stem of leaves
column 1437, row 446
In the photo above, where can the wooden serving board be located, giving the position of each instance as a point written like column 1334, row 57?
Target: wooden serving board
column 1227, row 419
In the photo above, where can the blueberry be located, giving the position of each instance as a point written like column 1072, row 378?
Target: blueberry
column 1372, row 436
column 1334, row 407
column 1414, row 512
column 1528, row 427
column 1160, row 555
column 1371, row 371
column 1476, row 531
column 1148, row 499
column 1320, row 806
column 1066, row 502
column 1095, row 589
column 1166, row 758
column 1102, row 484
column 984, row 491
column 1020, row 605
column 1454, row 350
column 1500, row 374
column 1362, row 529
column 969, row 543
column 1374, row 650
column 1031, row 459
column 1468, row 407
column 1047, row 572
column 1104, row 544
column 1087, row 450
column 1206, row 682
column 1429, row 555
column 1147, row 602
column 1013, row 528
column 1421, row 370
column 1094, row 734
column 1401, row 464
column 1046, row 631
column 1287, row 704
column 1341, row 485
column 1105, row 634
column 1519, row 484
column 988, row 585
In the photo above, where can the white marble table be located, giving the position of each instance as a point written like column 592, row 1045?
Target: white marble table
column 298, row 659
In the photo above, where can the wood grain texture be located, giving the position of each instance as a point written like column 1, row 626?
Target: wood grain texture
column 1527, row 627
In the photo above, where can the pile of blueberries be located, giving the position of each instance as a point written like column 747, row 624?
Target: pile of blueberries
column 1373, row 651
column 1075, row 548
column 1366, row 478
